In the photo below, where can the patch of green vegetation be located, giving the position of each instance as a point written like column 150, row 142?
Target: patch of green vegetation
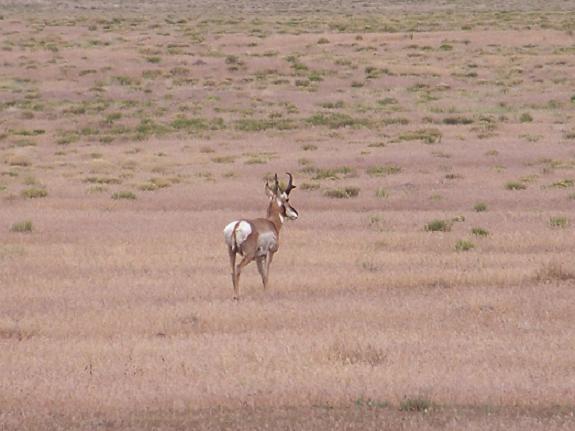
column 371, row 404
column 257, row 125
column 372, row 72
column 125, row 81
column 464, row 245
column 480, row 207
column 479, row 231
column 525, row 118
column 342, row 193
column 23, row 226
column 438, row 225
column 102, row 180
column 149, row 127
column 515, row 185
column 224, row 159
column 309, row 147
column 417, row 404
column 563, row 184
column 560, row 222
column 457, row 120
column 154, row 59
column 332, row 105
column 336, row 120
column 34, row 193
column 258, row 158
column 333, row 173
column 124, row 195
column 309, row 186
column 381, row 193
column 429, row 136
column 381, row 171
column 197, row 124
column 18, row 161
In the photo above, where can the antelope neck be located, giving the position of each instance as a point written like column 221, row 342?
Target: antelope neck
column 274, row 215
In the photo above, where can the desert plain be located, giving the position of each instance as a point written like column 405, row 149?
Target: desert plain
column 428, row 284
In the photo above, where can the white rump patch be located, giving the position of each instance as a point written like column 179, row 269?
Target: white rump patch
column 241, row 233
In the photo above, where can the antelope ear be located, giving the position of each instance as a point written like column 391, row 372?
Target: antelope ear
column 269, row 192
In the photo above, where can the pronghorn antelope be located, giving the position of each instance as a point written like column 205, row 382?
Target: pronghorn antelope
column 259, row 238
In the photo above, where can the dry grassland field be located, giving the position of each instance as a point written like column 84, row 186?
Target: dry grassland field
column 428, row 284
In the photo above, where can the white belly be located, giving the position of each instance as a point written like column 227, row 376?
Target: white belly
column 240, row 233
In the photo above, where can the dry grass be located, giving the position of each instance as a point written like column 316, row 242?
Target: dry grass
column 129, row 143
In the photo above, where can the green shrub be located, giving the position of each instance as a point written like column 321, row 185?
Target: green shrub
column 560, row 222
column 23, row 226
column 342, row 193
column 309, row 186
column 457, row 120
column 415, row 405
column 33, row 193
column 429, row 136
column 526, row 118
column 124, row 195
column 480, row 207
column 515, row 185
column 380, row 171
column 438, row 225
column 381, row 193
column 464, row 245
column 335, row 120
column 563, row 184
column 479, row 231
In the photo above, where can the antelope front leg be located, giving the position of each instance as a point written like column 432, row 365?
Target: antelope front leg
column 262, row 269
column 269, row 259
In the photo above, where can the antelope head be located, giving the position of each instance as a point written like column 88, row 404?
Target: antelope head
column 279, row 199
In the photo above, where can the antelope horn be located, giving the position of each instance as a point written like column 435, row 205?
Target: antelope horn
column 276, row 184
column 290, row 185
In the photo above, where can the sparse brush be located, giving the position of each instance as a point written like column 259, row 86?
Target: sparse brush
column 23, row 226
column 438, row 225
column 457, row 120
column 333, row 173
column 464, row 245
column 381, row 193
column 559, row 222
column 342, row 193
column 380, row 171
column 479, row 231
column 553, row 271
column 480, row 207
column 224, row 159
column 357, row 354
column 124, row 195
column 309, row 186
column 34, row 193
column 336, row 120
column 429, row 136
column 416, row 404
column 563, row 184
column 525, row 118
column 515, row 185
